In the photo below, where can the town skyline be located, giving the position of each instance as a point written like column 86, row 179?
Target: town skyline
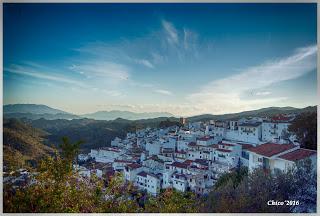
column 186, row 60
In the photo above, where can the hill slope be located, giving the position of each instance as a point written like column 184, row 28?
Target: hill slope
column 31, row 108
column 270, row 111
column 114, row 114
column 22, row 143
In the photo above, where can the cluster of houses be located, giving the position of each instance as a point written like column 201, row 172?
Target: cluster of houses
column 192, row 157
column 19, row 178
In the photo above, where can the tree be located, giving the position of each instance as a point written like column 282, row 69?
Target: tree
column 305, row 187
column 57, row 189
column 304, row 127
column 168, row 123
column 234, row 177
column 172, row 201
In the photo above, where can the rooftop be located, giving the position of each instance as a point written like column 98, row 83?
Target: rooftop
column 298, row 154
column 179, row 165
column 271, row 149
column 227, row 144
column 143, row 174
column 223, row 150
column 249, row 124
column 134, row 166
column 246, row 146
column 206, row 138
column 280, row 118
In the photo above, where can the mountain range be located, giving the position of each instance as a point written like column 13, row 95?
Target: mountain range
column 38, row 111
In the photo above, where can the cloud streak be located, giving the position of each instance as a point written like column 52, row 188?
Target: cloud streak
column 105, row 69
column 40, row 74
column 224, row 95
column 162, row 91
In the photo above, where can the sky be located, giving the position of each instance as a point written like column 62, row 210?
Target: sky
column 186, row 59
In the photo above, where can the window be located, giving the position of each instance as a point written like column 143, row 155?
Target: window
column 181, row 184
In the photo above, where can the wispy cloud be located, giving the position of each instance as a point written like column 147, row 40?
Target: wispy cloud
column 164, row 45
column 224, row 95
column 34, row 72
column 262, row 93
column 171, row 32
column 162, row 91
column 144, row 62
column 110, row 70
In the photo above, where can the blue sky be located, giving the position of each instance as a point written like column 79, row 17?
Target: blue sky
column 185, row 59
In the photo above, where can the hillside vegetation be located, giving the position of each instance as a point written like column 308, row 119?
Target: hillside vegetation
column 22, row 144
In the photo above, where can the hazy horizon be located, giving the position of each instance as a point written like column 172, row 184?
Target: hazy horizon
column 184, row 59
column 177, row 116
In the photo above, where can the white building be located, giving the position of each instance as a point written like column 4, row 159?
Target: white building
column 154, row 164
column 266, row 155
column 250, row 132
column 105, row 155
column 179, row 182
column 275, row 129
column 116, row 142
column 131, row 171
column 153, row 148
column 245, row 154
column 83, row 157
column 149, row 182
column 288, row 160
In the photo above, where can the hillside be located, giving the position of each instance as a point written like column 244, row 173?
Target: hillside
column 31, row 108
column 114, row 114
column 94, row 133
column 22, row 144
column 38, row 111
column 270, row 111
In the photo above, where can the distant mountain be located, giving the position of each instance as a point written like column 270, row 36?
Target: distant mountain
column 39, row 116
column 114, row 114
column 270, row 111
column 35, row 111
column 31, row 108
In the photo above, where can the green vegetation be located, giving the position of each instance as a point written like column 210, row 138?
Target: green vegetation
column 305, row 128
column 270, row 111
column 252, row 193
column 169, row 123
column 23, row 144
column 233, row 178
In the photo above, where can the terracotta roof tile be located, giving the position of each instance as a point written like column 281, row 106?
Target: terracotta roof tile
column 298, row 154
column 143, row 174
column 134, row 166
column 223, row 150
column 271, row 149
column 246, row 146
column 180, row 165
